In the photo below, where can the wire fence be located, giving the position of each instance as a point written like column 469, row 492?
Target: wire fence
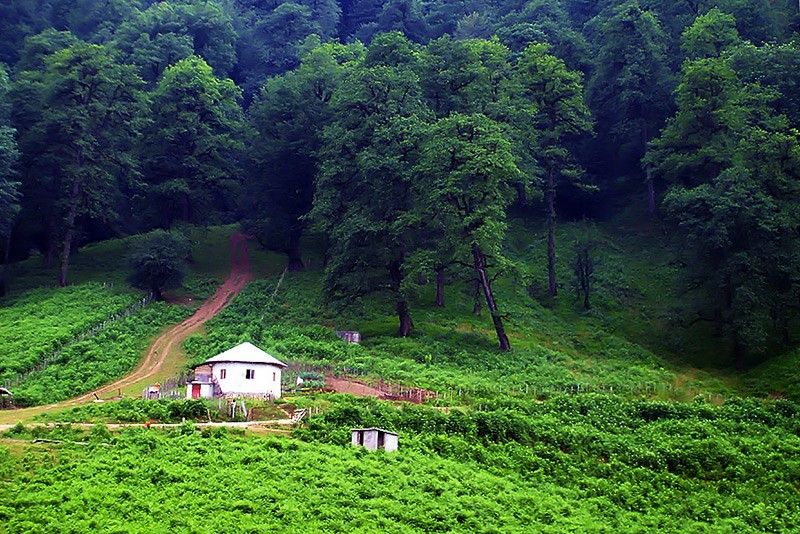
column 467, row 394
column 53, row 356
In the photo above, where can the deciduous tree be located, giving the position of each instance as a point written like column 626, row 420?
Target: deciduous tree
column 167, row 32
column 158, row 262
column 289, row 117
column 630, row 89
column 9, row 194
column 554, row 95
column 734, row 166
column 191, row 148
column 468, row 172
column 363, row 193
column 91, row 109
column 710, row 35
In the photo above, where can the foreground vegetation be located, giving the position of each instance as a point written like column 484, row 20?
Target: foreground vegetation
column 582, row 462
column 159, row 411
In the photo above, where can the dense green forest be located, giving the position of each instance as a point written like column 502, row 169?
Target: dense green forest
column 402, row 134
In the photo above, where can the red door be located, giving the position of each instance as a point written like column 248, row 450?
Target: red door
column 195, row 391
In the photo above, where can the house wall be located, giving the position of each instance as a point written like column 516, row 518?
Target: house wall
column 267, row 379
column 206, row 391
column 371, row 441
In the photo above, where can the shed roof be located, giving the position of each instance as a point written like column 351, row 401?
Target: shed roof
column 246, row 353
column 374, row 430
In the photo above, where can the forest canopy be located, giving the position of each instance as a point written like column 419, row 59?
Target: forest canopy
column 404, row 134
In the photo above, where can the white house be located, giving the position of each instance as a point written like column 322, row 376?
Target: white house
column 243, row 371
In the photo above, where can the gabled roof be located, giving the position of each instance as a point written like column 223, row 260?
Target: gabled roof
column 246, row 353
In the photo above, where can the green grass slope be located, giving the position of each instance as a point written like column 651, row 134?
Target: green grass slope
column 597, row 421
column 38, row 323
column 588, row 463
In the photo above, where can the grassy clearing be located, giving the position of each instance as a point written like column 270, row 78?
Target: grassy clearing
column 451, row 350
column 636, row 288
column 39, row 322
column 779, row 377
column 90, row 363
column 106, row 262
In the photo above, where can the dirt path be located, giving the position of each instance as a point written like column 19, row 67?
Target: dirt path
column 120, row 426
column 343, row 385
column 160, row 349
column 384, row 391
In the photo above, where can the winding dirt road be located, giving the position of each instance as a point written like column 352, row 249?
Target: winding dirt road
column 160, row 349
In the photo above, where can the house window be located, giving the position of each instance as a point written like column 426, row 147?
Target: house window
column 273, row 377
column 223, row 373
column 250, row 374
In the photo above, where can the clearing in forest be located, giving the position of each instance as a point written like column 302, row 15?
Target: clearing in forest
column 165, row 348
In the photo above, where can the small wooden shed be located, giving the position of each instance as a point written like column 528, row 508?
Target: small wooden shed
column 374, row 438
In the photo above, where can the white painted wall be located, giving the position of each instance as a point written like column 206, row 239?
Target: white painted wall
column 267, row 379
column 371, row 440
column 391, row 443
column 206, row 391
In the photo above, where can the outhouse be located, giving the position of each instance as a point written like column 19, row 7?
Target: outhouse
column 374, row 438
column 352, row 337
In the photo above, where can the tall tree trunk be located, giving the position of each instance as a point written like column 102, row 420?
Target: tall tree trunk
column 403, row 311
column 550, row 197
column 404, row 314
column 476, row 307
column 584, row 270
column 293, row 251
column 69, row 232
column 651, row 189
column 651, row 193
column 51, row 245
column 486, row 285
column 440, row 287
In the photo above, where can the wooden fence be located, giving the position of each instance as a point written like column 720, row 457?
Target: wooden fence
column 393, row 391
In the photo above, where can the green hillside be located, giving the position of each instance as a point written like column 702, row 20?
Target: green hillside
column 565, row 232
column 588, row 424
